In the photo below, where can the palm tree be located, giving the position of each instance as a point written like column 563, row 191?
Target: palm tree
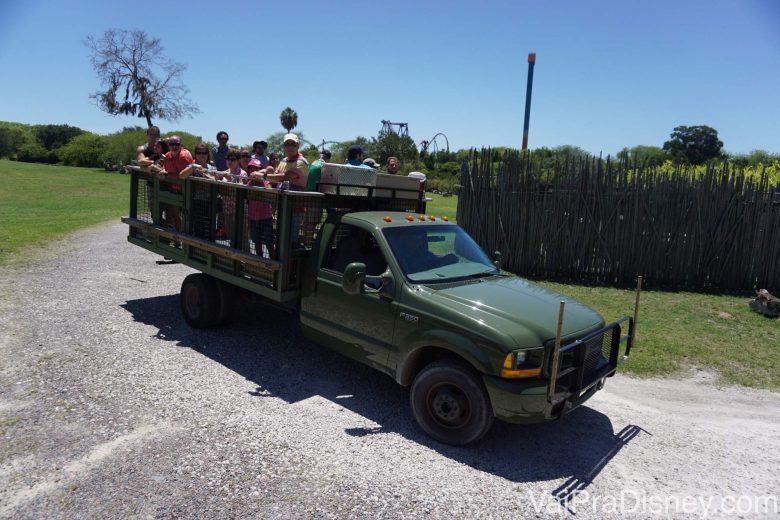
column 289, row 119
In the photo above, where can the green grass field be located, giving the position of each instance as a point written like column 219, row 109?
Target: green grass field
column 681, row 329
column 41, row 202
column 676, row 329
column 441, row 206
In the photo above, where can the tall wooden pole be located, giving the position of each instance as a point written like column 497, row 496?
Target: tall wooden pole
column 531, row 62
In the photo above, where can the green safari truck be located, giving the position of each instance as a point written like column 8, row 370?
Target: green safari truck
column 373, row 277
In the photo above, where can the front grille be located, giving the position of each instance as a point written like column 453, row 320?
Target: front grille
column 598, row 352
column 582, row 364
column 584, row 361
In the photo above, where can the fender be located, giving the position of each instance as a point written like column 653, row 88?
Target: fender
column 477, row 355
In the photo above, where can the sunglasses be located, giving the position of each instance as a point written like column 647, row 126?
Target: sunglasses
column 291, row 144
column 201, row 153
column 231, row 159
column 174, row 145
column 246, row 156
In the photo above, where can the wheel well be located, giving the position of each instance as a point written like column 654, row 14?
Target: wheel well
column 422, row 357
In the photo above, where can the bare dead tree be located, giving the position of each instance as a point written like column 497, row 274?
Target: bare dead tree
column 137, row 78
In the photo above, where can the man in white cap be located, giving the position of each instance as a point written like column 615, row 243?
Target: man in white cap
column 293, row 168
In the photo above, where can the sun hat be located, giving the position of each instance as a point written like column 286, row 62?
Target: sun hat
column 372, row 163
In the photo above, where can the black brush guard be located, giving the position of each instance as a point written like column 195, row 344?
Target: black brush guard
column 581, row 366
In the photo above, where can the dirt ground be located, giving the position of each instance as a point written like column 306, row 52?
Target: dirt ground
column 110, row 406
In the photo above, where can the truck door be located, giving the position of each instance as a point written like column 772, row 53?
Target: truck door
column 358, row 326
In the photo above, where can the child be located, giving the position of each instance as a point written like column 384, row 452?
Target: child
column 261, row 214
column 234, row 174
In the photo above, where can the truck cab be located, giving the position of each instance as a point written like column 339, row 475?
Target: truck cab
column 416, row 298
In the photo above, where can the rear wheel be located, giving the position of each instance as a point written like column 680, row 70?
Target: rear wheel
column 450, row 403
column 200, row 300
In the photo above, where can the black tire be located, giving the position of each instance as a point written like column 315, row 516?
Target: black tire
column 450, row 403
column 200, row 301
column 227, row 302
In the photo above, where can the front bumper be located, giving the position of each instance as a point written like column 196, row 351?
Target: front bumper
column 524, row 401
column 589, row 361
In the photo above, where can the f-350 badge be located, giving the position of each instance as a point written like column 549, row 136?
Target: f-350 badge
column 410, row 318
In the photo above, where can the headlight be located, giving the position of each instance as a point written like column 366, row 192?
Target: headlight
column 523, row 363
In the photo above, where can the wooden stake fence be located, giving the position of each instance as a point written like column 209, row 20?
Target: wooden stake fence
column 596, row 221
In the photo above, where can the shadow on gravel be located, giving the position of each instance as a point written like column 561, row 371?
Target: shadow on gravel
column 268, row 349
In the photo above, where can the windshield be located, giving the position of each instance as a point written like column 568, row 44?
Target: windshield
column 437, row 253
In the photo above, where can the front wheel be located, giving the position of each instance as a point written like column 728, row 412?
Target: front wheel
column 450, row 403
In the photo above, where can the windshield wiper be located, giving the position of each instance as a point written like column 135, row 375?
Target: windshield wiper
column 483, row 274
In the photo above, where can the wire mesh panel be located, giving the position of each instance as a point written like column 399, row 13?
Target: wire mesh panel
column 170, row 205
column 145, row 197
column 262, row 276
column 308, row 214
column 201, row 222
column 227, row 227
column 260, row 218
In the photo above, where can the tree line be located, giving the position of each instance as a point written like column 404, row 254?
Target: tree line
column 73, row 146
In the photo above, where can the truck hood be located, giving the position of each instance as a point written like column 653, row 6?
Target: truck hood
column 514, row 306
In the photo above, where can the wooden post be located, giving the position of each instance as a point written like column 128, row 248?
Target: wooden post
column 556, row 355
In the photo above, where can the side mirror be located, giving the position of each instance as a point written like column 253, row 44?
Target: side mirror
column 383, row 285
column 354, row 278
column 497, row 260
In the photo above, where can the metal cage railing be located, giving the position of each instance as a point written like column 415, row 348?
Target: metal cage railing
column 255, row 237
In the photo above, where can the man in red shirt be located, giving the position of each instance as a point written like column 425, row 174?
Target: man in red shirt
column 174, row 162
column 177, row 159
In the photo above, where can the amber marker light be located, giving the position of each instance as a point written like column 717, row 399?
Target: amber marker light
column 432, row 218
column 388, row 218
column 421, row 218
column 409, row 218
column 445, row 218
column 518, row 373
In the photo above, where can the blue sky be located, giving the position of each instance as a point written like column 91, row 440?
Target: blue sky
column 609, row 74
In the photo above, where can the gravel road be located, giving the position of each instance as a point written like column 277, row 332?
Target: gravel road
column 111, row 407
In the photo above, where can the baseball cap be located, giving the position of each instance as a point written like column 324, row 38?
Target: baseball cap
column 255, row 163
column 290, row 137
column 372, row 163
column 355, row 150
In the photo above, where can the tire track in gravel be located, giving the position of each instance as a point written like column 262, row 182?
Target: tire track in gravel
column 78, row 468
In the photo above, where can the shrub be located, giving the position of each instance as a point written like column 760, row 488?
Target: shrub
column 121, row 146
column 12, row 137
column 34, row 152
column 52, row 137
column 85, row 150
